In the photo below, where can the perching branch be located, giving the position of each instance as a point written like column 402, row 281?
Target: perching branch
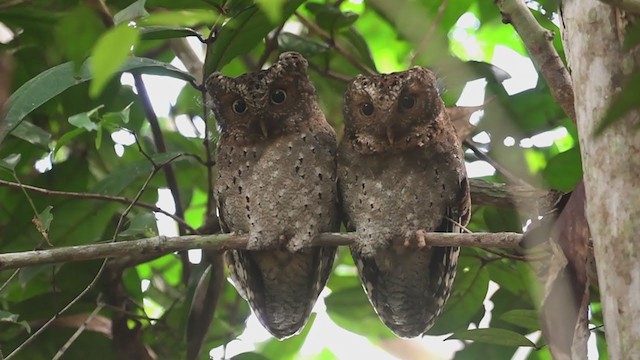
column 163, row 245
column 539, row 43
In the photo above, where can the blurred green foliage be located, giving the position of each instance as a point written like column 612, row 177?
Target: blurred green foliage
column 68, row 100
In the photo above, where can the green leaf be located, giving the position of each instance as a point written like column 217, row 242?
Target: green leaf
column 10, row 162
column 45, row 218
column 84, row 27
column 242, row 33
column 493, row 336
column 189, row 18
column 109, row 53
column 32, row 134
column 527, row 319
column 272, row 8
column 131, row 12
column 113, row 120
column 52, row 82
column 121, row 178
column 498, row 220
column 8, row 317
column 465, row 305
column 64, row 139
column 288, row 348
column 166, row 32
column 350, row 309
column 142, row 224
column 564, row 171
column 307, row 47
column 250, row 356
column 331, row 18
column 83, row 120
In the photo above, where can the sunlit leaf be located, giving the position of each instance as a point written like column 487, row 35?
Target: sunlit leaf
column 109, row 53
column 52, row 82
column 350, row 308
column 8, row 317
column 528, row 319
column 83, row 25
column 10, row 162
column 131, row 12
column 272, row 8
column 32, row 134
column 493, row 336
column 242, row 33
column 288, row 348
column 188, row 18
column 564, row 171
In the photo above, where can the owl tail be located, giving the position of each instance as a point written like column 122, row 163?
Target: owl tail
column 281, row 286
column 408, row 288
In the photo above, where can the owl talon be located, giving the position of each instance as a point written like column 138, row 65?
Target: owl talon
column 415, row 240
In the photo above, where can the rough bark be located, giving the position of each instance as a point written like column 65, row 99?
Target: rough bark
column 593, row 38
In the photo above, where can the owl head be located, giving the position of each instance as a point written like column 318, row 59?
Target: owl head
column 393, row 112
column 263, row 104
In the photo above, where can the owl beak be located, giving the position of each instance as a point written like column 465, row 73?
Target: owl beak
column 263, row 127
column 390, row 135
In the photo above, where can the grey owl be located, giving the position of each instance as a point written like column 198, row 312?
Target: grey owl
column 401, row 174
column 276, row 162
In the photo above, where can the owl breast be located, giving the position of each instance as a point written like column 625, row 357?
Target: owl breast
column 284, row 189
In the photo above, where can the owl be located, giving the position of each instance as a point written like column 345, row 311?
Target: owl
column 276, row 182
column 401, row 174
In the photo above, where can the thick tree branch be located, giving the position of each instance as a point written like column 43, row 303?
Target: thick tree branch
column 539, row 43
column 164, row 245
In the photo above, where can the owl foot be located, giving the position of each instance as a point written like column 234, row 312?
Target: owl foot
column 412, row 240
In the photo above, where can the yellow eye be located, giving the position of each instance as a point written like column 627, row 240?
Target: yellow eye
column 278, row 96
column 239, row 106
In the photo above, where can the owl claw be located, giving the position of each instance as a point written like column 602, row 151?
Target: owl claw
column 413, row 240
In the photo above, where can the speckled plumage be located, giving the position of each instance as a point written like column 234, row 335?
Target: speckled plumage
column 276, row 182
column 401, row 173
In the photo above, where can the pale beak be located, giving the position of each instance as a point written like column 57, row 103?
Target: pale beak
column 390, row 135
column 263, row 127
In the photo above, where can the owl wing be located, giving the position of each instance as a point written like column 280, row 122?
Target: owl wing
column 408, row 290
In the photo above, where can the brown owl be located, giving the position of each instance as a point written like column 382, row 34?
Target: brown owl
column 276, row 161
column 401, row 174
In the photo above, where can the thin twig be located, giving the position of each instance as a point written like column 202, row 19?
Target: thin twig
column 221, row 242
column 4, row 285
column 76, row 334
column 422, row 47
column 329, row 40
column 95, row 278
column 270, row 45
column 330, row 74
column 501, row 169
column 158, row 139
column 112, row 198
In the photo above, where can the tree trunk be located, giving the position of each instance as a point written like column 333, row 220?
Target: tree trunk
column 593, row 37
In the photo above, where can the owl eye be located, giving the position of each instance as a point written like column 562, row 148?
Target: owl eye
column 278, row 96
column 239, row 106
column 407, row 101
column 366, row 109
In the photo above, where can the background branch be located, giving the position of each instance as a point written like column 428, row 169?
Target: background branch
column 113, row 198
column 539, row 43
